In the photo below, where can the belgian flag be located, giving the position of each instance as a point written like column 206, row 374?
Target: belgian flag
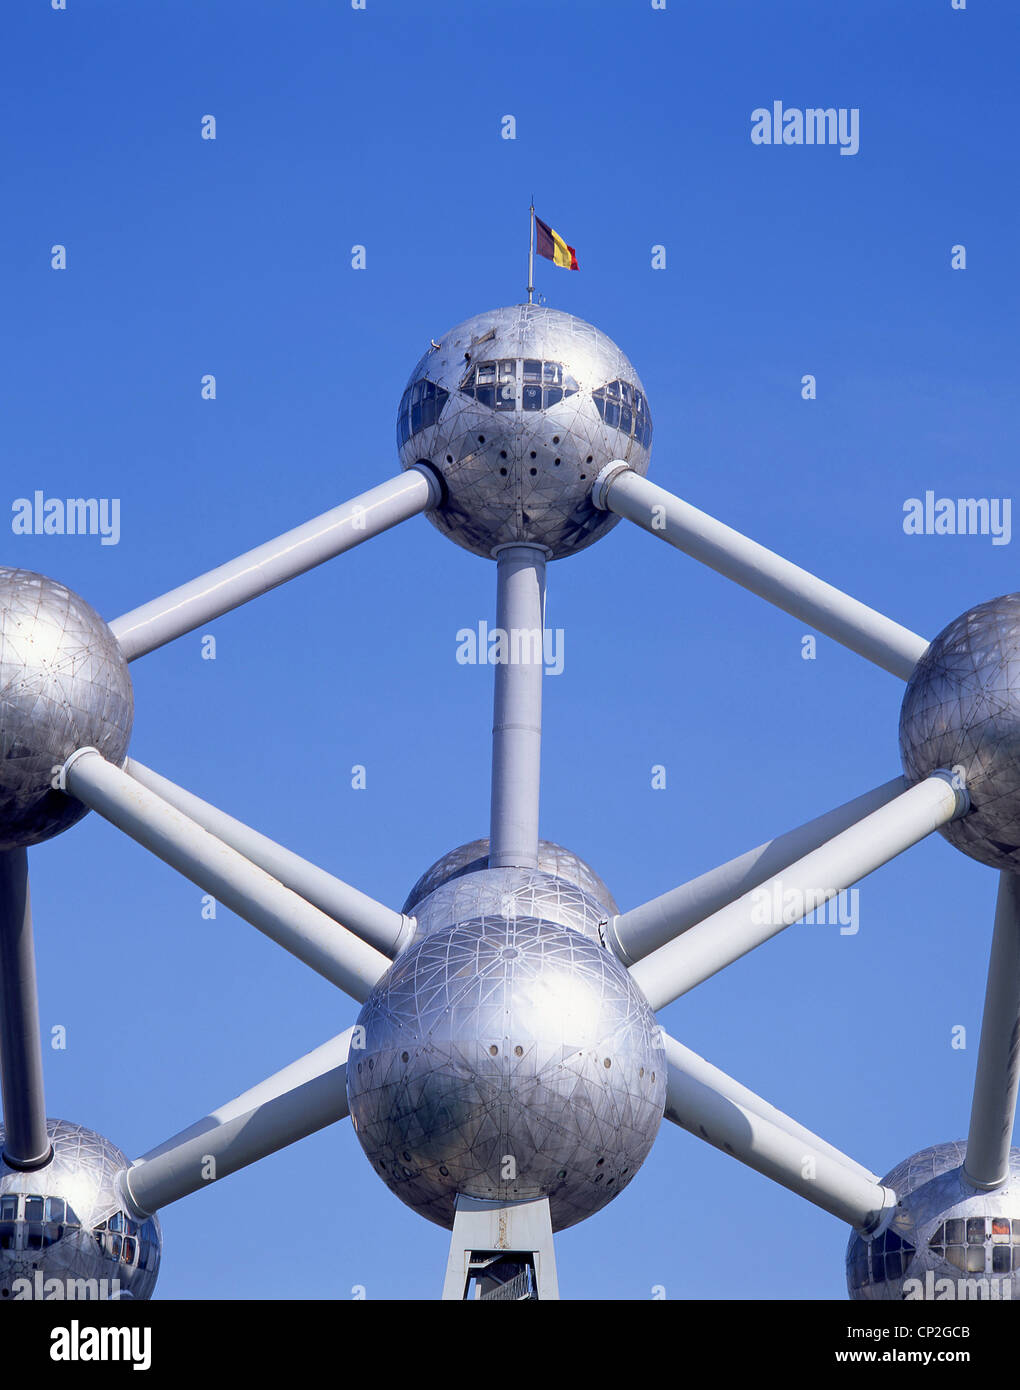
column 552, row 246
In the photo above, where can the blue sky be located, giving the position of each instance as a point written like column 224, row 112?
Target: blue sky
column 233, row 257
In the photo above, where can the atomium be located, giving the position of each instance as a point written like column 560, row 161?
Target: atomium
column 946, row 1240
column 64, row 684
column 518, row 410
column 506, row 1071
column 507, row 1060
column 65, row 1232
column 962, row 711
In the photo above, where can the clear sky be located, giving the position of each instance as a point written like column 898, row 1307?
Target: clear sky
column 185, row 257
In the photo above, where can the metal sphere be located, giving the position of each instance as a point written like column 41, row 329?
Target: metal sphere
column 64, row 1231
column 962, row 711
column 64, row 685
column 518, row 410
column 942, row 1230
column 553, row 859
column 507, row 1060
column 509, row 893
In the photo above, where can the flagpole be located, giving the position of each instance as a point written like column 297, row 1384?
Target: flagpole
column 531, row 258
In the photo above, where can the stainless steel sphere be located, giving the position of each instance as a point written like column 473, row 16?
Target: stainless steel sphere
column 553, row 859
column 962, row 711
column 64, row 1232
column 509, row 893
column 507, row 1060
column 518, row 409
column 64, row 684
column 943, row 1230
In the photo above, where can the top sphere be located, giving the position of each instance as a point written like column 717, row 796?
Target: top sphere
column 518, row 410
column 961, row 711
column 64, row 685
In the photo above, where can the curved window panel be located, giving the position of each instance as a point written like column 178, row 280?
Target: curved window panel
column 9, row 1207
column 551, row 395
column 7, row 1235
column 532, row 369
column 532, row 397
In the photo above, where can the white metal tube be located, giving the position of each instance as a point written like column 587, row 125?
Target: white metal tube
column 862, row 629
column 682, row 1059
column 304, row 1097
column 517, row 707
column 644, row 929
column 998, row 1066
column 803, row 887
column 375, row 923
column 328, row 948
column 26, row 1138
column 788, row 1159
column 259, row 570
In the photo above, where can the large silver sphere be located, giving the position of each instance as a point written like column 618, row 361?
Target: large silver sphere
column 942, row 1230
column 553, row 859
column 507, row 1060
column 64, row 1232
column 64, row 684
column 510, row 893
column 962, row 711
column 518, row 409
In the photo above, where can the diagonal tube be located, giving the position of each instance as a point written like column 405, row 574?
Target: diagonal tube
column 304, row 1097
column 259, row 570
column 889, row 645
column 993, row 1109
column 804, row 886
column 644, row 929
column 26, row 1139
column 682, row 1059
column 328, row 948
column 380, row 926
column 784, row 1152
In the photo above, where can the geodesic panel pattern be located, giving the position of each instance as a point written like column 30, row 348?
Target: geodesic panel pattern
column 64, row 684
column 507, row 1060
column 943, row 1229
column 65, row 1222
column 962, row 710
column 518, row 409
column 509, row 893
column 553, row 859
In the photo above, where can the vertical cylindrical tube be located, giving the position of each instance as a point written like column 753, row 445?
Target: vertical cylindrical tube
column 26, row 1141
column 995, row 1086
column 517, row 706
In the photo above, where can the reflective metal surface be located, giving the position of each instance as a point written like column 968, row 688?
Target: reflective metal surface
column 509, row 893
column 64, row 684
column 66, row 1223
column 962, row 711
column 518, row 409
column 507, row 1060
column 943, row 1230
column 552, row 859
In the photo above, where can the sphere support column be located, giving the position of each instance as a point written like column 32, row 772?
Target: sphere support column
column 26, row 1142
column 998, row 1065
column 517, row 706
